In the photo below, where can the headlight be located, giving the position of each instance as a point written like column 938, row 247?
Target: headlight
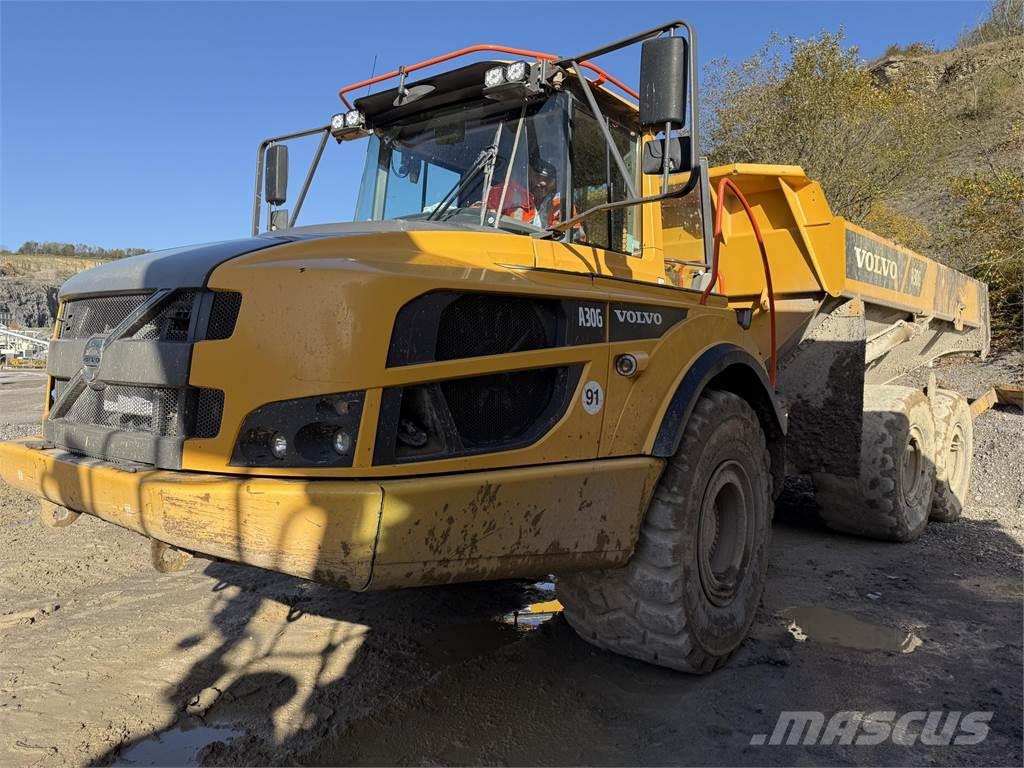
column 342, row 443
column 515, row 71
column 279, row 445
column 319, row 431
column 494, row 77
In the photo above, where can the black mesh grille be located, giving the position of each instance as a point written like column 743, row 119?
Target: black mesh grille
column 209, row 408
column 133, row 409
column 172, row 322
column 479, row 324
column 223, row 314
column 85, row 317
column 498, row 407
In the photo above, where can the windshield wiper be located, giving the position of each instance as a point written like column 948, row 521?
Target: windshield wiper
column 485, row 160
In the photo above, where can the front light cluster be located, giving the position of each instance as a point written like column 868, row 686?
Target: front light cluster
column 348, row 125
column 318, row 431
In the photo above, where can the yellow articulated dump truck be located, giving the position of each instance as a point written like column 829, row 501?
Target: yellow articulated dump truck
column 551, row 341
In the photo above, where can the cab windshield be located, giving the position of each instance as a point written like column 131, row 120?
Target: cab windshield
column 489, row 166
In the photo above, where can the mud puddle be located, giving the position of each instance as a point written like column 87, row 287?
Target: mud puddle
column 823, row 625
column 175, row 746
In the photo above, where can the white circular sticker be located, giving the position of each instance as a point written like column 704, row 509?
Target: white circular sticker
column 592, row 397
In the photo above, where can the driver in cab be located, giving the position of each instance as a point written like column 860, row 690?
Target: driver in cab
column 540, row 205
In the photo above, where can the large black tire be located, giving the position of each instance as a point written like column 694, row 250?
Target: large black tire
column 892, row 497
column 688, row 596
column 954, row 450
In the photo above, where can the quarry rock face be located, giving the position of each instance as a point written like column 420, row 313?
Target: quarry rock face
column 29, row 285
column 28, row 303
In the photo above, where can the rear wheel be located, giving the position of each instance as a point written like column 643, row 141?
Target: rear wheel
column 892, row 496
column 953, row 455
column 688, row 596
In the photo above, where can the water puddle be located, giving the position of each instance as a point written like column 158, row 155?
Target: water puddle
column 535, row 614
column 175, row 746
column 823, row 625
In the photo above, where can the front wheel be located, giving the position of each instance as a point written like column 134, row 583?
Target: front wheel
column 688, row 596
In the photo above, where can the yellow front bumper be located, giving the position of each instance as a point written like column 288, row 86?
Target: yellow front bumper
column 322, row 531
column 360, row 534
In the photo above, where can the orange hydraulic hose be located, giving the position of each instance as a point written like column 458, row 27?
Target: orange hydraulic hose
column 723, row 185
column 602, row 75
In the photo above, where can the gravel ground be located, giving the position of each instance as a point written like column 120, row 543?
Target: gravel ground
column 103, row 660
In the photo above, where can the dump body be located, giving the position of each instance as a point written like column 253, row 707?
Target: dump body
column 818, row 258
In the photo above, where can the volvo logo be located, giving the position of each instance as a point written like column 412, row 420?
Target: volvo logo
column 638, row 318
column 92, row 356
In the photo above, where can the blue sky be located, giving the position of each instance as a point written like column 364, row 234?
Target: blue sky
column 135, row 124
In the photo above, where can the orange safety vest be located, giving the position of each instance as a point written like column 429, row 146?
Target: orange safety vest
column 519, row 204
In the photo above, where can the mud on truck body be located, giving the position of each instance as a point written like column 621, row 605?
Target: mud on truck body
column 451, row 388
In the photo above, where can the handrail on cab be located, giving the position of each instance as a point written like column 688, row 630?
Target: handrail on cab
column 602, row 76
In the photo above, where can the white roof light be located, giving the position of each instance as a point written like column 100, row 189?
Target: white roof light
column 494, row 76
column 515, row 71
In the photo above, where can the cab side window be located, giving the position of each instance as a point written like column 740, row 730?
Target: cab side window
column 596, row 180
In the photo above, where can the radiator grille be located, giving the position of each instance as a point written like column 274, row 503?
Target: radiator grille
column 155, row 410
column 83, row 318
column 223, row 314
column 209, row 408
column 172, row 322
column 481, row 324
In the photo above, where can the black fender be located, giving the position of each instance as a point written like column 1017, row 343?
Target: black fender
column 733, row 369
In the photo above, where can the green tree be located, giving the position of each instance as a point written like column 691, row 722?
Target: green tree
column 811, row 103
column 1005, row 19
column 984, row 237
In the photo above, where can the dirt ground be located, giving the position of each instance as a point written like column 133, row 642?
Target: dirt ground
column 103, row 660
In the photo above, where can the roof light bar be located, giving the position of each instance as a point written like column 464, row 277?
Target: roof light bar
column 348, row 125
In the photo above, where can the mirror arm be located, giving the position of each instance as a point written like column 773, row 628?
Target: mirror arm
column 568, row 223
column 259, row 168
column 309, row 178
column 665, row 155
column 257, row 197
column 601, row 121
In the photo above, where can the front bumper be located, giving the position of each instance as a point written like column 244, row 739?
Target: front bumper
column 358, row 534
column 316, row 530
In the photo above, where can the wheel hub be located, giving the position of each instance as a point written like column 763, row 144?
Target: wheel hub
column 955, row 458
column 913, row 466
column 725, row 536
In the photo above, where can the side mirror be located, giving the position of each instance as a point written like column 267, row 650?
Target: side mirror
column 277, row 174
column 278, row 219
column 678, row 151
column 663, row 82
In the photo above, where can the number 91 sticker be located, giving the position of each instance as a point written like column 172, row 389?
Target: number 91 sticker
column 592, row 397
